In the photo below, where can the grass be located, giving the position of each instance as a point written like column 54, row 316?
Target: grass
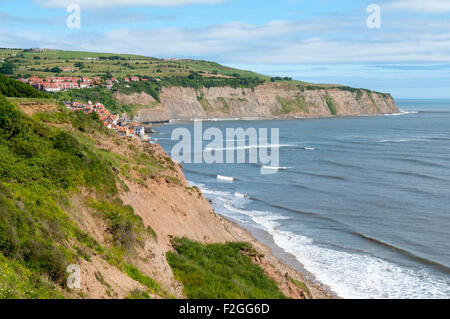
column 44, row 160
column 138, row 294
column 204, row 102
column 135, row 274
column 291, row 105
column 225, row 107
column 179, row 72
column 373, row 101
column 219, row 271
column 301, row 285
column 40, row 166
column 124, row 226
column 330, row 104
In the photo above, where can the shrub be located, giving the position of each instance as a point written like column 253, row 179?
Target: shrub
column 13, row 88
column 219, row 271
column 123, row 224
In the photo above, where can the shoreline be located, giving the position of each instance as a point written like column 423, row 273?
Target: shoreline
column 293, row 117
column 282, row 261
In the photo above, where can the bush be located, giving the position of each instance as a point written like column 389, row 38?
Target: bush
column 220, row 271
column 11, row 119
column 123, row 224
column 13, row 88
column 7, row 68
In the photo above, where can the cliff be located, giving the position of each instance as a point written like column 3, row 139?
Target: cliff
column 80, row 194
column 270, row 100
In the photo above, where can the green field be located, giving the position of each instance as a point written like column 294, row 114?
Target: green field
column 28, row 63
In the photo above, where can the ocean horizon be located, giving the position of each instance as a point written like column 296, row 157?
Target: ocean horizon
column 360, row 202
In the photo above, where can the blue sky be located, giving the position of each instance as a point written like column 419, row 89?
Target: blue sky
column 322, row 41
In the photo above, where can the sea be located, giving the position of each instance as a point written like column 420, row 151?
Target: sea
column 362, row 203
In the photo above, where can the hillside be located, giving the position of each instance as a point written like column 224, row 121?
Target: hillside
column 187, row 89
column 91, row 64
column 72, row 192
column 13, row 88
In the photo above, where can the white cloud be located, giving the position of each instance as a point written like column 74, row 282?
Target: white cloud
column 121, row 3
column 427, row 6
column 278, row 42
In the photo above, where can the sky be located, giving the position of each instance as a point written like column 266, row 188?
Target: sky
column 320, row 41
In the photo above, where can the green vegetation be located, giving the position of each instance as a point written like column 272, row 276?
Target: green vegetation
column 39, row 166
column 13, row 88
column 150, row 87
column 278, row 78
column 197, row 81
column 123, row 224
column 330, row 104
column 204, row 102
column 220, row 271
column 359, row 95
column 42, row 166
column 373, row 101
column 188, row 73
column 97, row 94
column 225, row 107
column 291, row 105
column 155, row 74
column 7, row 68
column 138, row 294
column 301, row 285
column 135, row 274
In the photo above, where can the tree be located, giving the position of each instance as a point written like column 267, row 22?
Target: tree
column 79, row 65
column 7, row 68
column 54, row 70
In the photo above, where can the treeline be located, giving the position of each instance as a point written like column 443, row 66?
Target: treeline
column 112, row 58
column 197, row 81
column 151, row 87
column 279, row 78
column 13, row 88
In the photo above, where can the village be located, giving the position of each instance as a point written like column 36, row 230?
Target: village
column 63, row 83
column 122, row 125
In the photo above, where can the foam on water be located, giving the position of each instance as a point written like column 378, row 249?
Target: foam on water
column 351, row 275
column 348, row 274
column 225, row 178
column 402, row 113
column 275, row 167
column 246, row 147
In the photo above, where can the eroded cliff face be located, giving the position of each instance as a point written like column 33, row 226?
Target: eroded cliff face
column 264, row 101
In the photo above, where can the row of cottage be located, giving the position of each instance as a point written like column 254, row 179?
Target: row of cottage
column 121, row 125
column 62, row 83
